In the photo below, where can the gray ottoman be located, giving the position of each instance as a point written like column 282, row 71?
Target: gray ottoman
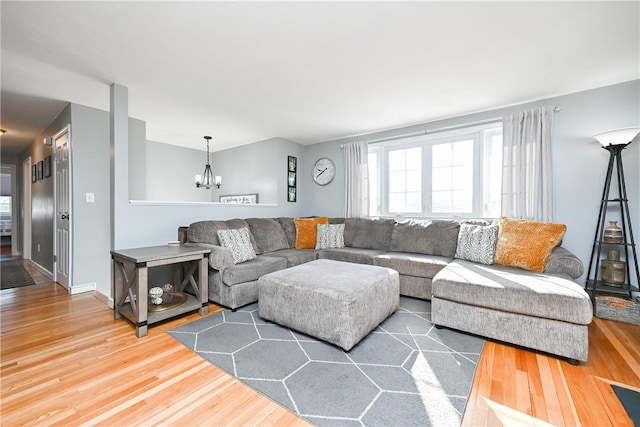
column 338, row 302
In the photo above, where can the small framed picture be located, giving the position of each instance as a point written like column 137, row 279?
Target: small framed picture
column 293, row 164
column 34, row 173
column 47, row 166
column 243, row 199
column 292, row 179
column 40, row 170
column 291, row 194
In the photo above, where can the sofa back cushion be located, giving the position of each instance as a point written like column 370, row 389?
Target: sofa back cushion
column 207, row 231
column 289, row 228
column 268, row 234
column 368, row 233
column 429, row 237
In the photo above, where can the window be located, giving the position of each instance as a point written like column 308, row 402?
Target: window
column 455, row 173
column 405, row 169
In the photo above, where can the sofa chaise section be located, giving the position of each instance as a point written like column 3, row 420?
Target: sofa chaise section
column 546, row 312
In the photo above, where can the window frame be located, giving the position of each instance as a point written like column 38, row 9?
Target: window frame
column 480, row 134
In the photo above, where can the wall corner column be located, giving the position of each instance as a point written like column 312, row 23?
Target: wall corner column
column 119, row 144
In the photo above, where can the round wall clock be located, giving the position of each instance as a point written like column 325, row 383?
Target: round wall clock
column 323, row 171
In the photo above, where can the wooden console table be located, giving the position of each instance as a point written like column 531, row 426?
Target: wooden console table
column 130, row 282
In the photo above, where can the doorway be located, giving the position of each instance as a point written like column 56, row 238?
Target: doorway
column 8, row 243
column 62, row 235
column 26, row 208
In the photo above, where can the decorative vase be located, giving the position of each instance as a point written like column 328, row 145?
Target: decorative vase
column 613, row 233
column 613, row 269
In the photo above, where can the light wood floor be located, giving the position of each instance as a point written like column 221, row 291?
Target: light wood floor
column 66, row 361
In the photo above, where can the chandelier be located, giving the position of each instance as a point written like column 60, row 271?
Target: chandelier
column 208, row 180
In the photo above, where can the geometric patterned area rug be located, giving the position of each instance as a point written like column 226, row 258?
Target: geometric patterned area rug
column 406, row 372
column 13, row 275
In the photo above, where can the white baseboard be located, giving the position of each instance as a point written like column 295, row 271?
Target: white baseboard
column 42, row 269
column 78, row 289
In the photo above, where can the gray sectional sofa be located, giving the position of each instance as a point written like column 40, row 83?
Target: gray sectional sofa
column 545, row 311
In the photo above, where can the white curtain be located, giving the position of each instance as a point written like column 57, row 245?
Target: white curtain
column 527, row 175
column 356, row 160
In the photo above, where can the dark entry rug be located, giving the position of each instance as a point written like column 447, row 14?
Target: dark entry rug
column 13, row 275
column 631, row 401
column 406, row 372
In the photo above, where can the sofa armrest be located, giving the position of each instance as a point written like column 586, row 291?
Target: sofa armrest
column 219, row 258
column 563, row 261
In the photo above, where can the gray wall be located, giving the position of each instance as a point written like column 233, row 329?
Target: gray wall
column 579, row 161
column 170, row 172
column 137, row 163
column 90, row 174
column 260, row 168
column 42, row 202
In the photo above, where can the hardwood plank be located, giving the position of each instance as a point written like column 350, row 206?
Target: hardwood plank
column 68, row 362
column 559, row 393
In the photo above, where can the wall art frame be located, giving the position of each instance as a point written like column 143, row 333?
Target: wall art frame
column 242, row 199
column 292, row 179
column 47, row 166
column 40, row 170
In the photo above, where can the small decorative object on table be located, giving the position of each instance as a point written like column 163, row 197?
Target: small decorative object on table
column 613, row 269
column 155, row 295
column 167, row 293
column 163, row 298
column 613, row 233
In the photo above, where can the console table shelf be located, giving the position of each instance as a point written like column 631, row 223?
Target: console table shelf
column 599, row 286
column 130, row 282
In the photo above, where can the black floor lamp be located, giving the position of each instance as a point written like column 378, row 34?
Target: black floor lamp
column 614, row 142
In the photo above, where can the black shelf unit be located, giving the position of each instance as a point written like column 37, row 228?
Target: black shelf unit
column 594, row 285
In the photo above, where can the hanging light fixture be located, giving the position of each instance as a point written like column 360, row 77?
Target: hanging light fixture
column 208, row 180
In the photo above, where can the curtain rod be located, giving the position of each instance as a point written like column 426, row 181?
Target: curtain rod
column 556, row 108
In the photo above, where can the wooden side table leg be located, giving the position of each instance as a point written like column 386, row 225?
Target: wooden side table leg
column 118, row 286
column 203, row 278
column 142, row 297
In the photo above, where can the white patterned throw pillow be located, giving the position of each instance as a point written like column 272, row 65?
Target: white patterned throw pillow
column 238, row 242
column 477, row 243
column 330, row 236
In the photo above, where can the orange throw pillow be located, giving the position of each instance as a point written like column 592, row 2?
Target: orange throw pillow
column 306, row 231
column 527, row 244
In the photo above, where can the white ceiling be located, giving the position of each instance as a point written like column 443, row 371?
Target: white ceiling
column 305, row 71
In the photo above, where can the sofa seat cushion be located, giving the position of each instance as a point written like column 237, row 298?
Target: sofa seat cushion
column 295, row 256
column 417, row 265
column 252, row 270
column 513, row 290
column 355, row 255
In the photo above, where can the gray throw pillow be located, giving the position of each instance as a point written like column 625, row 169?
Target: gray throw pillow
column 238, row 242
column 330, row 236
column 477, row 243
